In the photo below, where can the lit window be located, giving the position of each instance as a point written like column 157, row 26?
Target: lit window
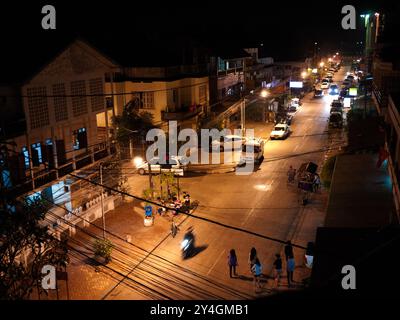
column 25, row 152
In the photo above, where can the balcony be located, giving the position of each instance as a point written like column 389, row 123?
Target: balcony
column 182, row 114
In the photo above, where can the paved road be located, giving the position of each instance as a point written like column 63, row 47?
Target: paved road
column 262, row 202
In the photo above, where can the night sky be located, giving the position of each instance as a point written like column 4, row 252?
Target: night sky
column 287, row 30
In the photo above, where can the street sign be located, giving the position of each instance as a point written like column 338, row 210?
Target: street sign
column 296, row 84
column 148, row 211
column 353, row 92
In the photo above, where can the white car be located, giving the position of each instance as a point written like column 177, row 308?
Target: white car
column 234, row 141
column 324, row 85
column 281, row 131
column 176, row 164
column 257, row 154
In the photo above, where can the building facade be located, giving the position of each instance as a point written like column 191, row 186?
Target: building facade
column 64, row 108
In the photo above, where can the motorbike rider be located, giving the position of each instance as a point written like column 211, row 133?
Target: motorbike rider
column 189, row 238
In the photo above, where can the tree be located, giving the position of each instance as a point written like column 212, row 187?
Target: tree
column 23, row 233
column 103, row 248
column 132, row 121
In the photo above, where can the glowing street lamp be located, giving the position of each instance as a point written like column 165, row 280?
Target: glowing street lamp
column 264, row 93
column 303, row 74
column 321, row 64
column 137, row 161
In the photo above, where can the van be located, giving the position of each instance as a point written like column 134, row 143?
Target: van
column 257, row 154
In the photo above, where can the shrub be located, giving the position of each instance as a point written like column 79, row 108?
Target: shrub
column 327, row 171
column 103, row 248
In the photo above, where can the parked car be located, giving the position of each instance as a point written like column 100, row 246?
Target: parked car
column 325, row 84
column 176, row 164
column 233, row 140
column 284, row 118
column 337, row 103
column 281, row 131
column 335, row 120
column 333, row 89
column 252, row 151
column 318, row 93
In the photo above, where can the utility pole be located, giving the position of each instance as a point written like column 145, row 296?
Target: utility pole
column 243, row 115
column 101, row 200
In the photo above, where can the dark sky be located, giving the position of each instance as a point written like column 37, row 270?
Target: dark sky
column 287, row 29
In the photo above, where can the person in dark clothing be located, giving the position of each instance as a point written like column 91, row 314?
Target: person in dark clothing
column 290, row 266
column 252, row 257
column 232, row 262
column 278, row 269
column 289, row 250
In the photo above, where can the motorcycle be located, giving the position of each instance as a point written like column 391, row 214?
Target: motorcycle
column 187, row 245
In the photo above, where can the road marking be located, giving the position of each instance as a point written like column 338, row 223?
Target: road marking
column 219, row 257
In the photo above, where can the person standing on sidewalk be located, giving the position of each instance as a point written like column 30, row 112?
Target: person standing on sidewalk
column 290, row 265
column 252, row 258
column 289, row 250
column 232, row 262
column 174, row 228
column 278, row 269
column 257, row 272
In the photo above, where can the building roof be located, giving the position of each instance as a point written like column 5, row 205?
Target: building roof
column 25, row 57
column 361, row 193
column 372, row 251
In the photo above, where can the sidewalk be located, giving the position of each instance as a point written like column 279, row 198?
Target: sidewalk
column 89, row 280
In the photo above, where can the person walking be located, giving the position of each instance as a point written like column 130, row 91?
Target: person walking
column 186, row 198
column 289, row 250
column 257, row 272
column 290, row 265
column 252, row 257
column 232, row 262
column 291, row 174
column 278, row 269
column 174, row 229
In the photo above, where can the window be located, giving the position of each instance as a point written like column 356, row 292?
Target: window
column 96, row 91
column 60, row 102
column 203, row 94
column 79, row 102
column 145, row 100
column 109, row 102
column 25, row 153
column 37, row 107
column 36, row 150
column 79, row 138
column 175, row 96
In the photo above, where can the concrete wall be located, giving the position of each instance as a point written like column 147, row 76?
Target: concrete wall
column 187, row 94
column 78, row 62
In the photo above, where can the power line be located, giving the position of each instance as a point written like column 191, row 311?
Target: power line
column 185, row 213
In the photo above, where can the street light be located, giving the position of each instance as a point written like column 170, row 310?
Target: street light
column 264, row 93
column 304, row 74
column 137, row 161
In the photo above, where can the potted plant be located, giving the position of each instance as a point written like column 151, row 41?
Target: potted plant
column 102, row 249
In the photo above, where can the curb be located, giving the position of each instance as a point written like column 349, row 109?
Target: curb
column 213, row 169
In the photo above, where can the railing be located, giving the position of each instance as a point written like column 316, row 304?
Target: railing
column 394, row 175
column 181, row 114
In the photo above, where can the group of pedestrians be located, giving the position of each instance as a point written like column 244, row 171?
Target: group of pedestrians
column 256, row 266
column 175, row 204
